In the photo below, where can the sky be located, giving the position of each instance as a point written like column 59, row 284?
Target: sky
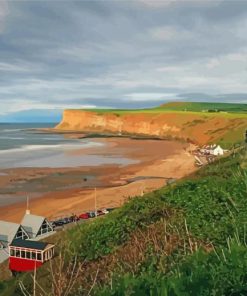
column 121, row 54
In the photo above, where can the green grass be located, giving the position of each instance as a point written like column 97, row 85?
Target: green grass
column 194, row 122
column 207, row 209
column 200, row 274
column 207, row 108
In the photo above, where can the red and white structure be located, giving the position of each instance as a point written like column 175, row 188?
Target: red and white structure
column 27, row 255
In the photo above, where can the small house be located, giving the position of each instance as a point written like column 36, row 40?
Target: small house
column 36, row 226
column 217, row 150
column 27, row 255
column 10, row 231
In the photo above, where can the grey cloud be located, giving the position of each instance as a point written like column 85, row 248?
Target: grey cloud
column 200, row 97
column 98, row 53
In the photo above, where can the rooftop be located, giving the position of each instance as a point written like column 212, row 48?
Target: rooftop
column 29, row 244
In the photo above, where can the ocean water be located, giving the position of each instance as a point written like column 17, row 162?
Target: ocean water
column 21, row 146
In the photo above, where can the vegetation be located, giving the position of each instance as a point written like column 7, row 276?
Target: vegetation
column 188, row 238
column 199, row 123
column 220, row 108
column 205, row 107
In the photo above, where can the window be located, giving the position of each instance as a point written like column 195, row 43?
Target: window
column 12, row 252
column 33, row 255
column 23, row 254
column 39, row 256
column 45, row 227
column 28, row 254
column 17, row 253
column 21, row 234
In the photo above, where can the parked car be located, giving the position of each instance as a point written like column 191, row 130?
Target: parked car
column 84, row 216
column 74, row 218
column 61, row 222
column 66, row 220
column 110, row 209
column 91, row 214
column 105, row 211
column 100, row 213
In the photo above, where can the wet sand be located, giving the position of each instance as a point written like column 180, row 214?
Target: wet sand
column 56, row 192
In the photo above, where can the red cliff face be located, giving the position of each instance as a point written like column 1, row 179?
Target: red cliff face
column 196, row 127
column 136, row 123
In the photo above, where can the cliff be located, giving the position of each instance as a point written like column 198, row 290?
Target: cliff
column 197, row 127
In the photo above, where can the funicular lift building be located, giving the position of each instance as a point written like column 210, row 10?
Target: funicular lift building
column 36, row 226
column 18, row 242
column 10, row 231
column 27, row 255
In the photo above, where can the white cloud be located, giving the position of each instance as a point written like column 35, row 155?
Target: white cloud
column 213, row 63
column 115, row 52
column 21, row 105
column 20, row 66
column 167, row 69
column 167, row 33
column 142, row 97
column 238, row 57
column 157, row 3
column 163, row 33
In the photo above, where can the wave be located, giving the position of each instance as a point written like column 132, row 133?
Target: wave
column 11, row 130
column 12, row 138
column 26, row 148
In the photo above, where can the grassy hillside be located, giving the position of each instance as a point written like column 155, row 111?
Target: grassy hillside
column 188, row 238
column 182, row 106
column 205, row 107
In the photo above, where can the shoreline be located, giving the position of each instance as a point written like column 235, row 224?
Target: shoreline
column 77, row 134
column 171, row 160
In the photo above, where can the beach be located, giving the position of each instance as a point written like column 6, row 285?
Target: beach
column 133, row 167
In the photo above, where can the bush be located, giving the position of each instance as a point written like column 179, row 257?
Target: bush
column 202, row 274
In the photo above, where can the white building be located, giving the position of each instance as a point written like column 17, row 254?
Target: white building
column 212, row 150
column 10, row 231
column 217, row 151
column 36, row 226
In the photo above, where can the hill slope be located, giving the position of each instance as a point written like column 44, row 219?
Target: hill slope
column 185, row 239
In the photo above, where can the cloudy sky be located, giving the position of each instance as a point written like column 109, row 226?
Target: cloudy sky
column 121, row 54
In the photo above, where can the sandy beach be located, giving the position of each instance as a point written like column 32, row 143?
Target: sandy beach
column 57, row 192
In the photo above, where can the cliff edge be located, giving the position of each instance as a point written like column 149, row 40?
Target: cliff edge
column 197, row 127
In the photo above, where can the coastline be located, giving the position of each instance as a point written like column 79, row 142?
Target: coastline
column 157, row 161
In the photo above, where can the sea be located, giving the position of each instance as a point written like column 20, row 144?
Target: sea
column 22, row 145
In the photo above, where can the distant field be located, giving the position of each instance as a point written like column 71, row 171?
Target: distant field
column 208, row 108
column 205, row 107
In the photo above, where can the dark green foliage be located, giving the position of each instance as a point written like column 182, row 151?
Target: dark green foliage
column 102, row 236
column 202, row 274
column 211, row 206
column 214, row 205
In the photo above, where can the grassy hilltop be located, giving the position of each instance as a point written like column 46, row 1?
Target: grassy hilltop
column 183, row 106
column 188, row 238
